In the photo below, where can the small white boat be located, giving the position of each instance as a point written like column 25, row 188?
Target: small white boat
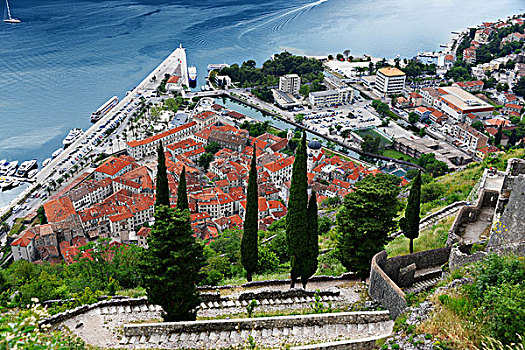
column 11, row 168
column 10, row 19
column 57, row 153
column 6, row 183
column 47, row 161
column 31, row 174
column 26, row 166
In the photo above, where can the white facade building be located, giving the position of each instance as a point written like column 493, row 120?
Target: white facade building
column 389, row 81
column 290, row 83
column 331, row 97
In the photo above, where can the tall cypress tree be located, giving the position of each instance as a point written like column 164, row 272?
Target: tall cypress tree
column 249, row 248
column 162, row 193
column 182, row 194
column 312, row 241
column 296, row 219
column 410, row 223
column 171, row 265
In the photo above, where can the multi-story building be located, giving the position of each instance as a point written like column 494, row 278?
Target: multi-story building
column 24, row 247
column 280, row 170
column 290, row 83
column 458, row 103
column 112, row 168
column 469, row 136
column 139, row 149
column 205, row 119
column 331, row 97
column 389, row 81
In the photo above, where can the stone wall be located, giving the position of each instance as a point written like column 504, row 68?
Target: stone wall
column 359, row 344
column 468, row 214
column 422, row 260
column 270, row 331
column 383, row 289
column 459, row 256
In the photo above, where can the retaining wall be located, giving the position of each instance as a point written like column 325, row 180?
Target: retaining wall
column 270, row 331
column 383, row 289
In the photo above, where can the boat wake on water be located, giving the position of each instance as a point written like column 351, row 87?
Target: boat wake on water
column 285, row 16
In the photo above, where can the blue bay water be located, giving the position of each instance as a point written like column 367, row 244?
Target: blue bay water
column 68, row 57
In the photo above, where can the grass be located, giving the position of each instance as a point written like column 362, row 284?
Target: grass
column 450, row 326
column 392, row 153
column 429, row 238
column 18, row 226
column 329, row 153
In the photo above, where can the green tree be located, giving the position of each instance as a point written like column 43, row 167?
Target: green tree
column 182, row 193
column 162, row 194
column 370, row 144
column 366, row 221
column 297, row 217
column 41, row 213
column 205, row 159
column 410, row 223
column 519, row 88
column 304, row 90
column 497, row 137
column 413, row 117
column 312, row 241
column 171, row 265
column 249, row 248
column 213, row 147
column 478, row 125
column 299, row 118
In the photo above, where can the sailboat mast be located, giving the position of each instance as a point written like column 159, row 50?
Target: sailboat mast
column 8, row 11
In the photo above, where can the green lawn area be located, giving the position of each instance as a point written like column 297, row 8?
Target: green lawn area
column 384, row 141
column 430, row 238
column 392, row 153
column 18, row 226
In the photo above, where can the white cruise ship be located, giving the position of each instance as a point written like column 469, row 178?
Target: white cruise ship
column 192, row 76
column 72, row 136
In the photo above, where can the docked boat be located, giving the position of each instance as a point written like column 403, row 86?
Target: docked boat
column 47, row 161
column 15, row 183
column 26, row 166
column 3, row 166
column 6, row 183
column 192, row 76
column 11, row 168
column 32, row 173
column 104, row 109
column 9, row 18
column 57, row 153
column 73, row 135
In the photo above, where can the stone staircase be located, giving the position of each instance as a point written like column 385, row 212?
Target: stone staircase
column 235, row 303
column 424, row 280
column 275, row 332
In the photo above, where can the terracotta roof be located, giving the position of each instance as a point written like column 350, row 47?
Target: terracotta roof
column 25, row 239
column 144, row 232
column 173, row 79
column 150, row 139
column 112, row 166
column 391, row 72
column 59, row 209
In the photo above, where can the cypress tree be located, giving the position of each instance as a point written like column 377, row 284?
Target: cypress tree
column 410, row 223
column 171, row 266
column 249, row 248
column 162, row 193
column 296, row 219
column 312, row 241
column 182, row 194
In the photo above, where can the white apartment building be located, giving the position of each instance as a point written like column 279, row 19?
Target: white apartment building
column 458, row 103
column 290, row 83
column 331, row 97
column 389, row 81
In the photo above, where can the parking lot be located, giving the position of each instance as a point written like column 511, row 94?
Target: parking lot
column 352, row 116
